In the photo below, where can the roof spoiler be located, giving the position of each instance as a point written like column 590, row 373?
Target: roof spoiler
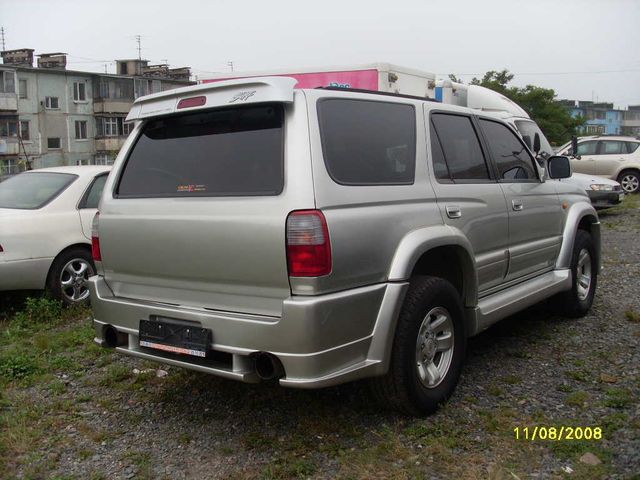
column 214, row 94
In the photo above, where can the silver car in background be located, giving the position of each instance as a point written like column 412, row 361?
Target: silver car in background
column 45, row 230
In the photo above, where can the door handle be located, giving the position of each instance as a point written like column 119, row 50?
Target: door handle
column 453, row 211
column 517, row 205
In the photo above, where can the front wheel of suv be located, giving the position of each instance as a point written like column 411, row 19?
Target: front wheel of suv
column 630, row 181
column 584, row 271
column 428, row 349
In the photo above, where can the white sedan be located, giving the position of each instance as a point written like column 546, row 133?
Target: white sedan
column 45, row 230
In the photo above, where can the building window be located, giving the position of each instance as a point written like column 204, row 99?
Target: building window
column 51, row 103
column 127, row 127
column 9, row 166
column 103, row 159
column 22, row 89
column 8, row 83
column 81, row 129
column 84, row 161
column 79, row 92
column 8, row 127
column 53, row 142
column 594, row 129
column 24, row 130
column 111, row 127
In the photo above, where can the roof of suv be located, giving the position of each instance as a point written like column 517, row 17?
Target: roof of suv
column 610, row 137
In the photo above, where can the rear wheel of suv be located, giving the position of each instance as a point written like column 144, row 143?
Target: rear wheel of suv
column 428, row 349
column 577, row 301
column 630, row 181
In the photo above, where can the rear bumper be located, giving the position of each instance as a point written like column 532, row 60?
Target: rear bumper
column 27, row 274
column 321, row 340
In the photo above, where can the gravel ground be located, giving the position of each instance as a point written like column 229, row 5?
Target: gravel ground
column 118, row 419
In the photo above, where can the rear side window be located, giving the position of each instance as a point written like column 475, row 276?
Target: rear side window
column 632, row 147
column 33, row 190
column 457, row 138
column 92, row 196
column 228, row 152
column 510, row 155
column 612, row 147
column 367, row 142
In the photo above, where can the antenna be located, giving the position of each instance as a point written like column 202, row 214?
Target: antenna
column 139, row 39
column 2, row 34
column 165, row 61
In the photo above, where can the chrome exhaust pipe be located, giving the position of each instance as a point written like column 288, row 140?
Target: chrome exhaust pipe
column 268, row 366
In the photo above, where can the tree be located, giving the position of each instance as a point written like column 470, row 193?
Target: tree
column 540, row 103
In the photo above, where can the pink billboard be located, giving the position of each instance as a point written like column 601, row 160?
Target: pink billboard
column 365, row 79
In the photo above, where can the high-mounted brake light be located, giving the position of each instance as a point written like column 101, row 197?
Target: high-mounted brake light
column 95, row 239
column 192, row 102
column 308, row 244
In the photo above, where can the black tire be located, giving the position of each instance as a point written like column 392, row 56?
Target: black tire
column 574, row 303
column 401, row 388
column 630, row 181
column 70, row 265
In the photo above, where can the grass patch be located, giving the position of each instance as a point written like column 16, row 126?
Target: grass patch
column 577, row 399
column 578, row 375
column 632, row 316
column 618, row 397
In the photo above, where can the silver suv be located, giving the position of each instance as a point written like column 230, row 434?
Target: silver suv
column 614, row 157
column 255, row 231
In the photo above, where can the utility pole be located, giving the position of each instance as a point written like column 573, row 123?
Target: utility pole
column 138, row 39
column 2, row 33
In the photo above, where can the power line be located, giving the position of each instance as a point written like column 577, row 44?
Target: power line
column 555, row 73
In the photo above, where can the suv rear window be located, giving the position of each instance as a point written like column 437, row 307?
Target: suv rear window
column 227, row 152
column 367, row 142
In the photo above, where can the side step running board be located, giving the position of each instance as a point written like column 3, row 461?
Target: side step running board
column 507, row 302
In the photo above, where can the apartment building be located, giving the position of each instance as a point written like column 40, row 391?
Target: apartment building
column 603, row 119
column 51, row 116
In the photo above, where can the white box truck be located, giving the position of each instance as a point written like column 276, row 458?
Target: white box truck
column 382, row 77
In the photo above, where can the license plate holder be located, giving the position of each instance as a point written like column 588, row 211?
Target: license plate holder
column 175, row 336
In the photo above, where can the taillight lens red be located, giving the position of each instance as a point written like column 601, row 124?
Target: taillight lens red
column 308, row 244
column 95, row 239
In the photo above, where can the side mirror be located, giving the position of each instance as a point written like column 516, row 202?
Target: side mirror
column 559, row 167
column 536, row 143
column 527, row 141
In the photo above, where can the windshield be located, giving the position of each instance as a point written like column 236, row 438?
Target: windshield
column 529, row 129
column 33, row 190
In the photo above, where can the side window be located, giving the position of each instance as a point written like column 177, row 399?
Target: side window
column 458, row 141
column 611, row 147
column 92, row 196
column 632, row 147
column 510, row 155
column 587, row 148
column 368, row 142
column 439, row 164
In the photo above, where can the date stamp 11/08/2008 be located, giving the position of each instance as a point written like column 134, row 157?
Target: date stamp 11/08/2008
column 557, row 434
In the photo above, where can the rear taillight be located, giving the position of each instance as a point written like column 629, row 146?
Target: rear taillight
column 308, row 244
column 95, row 239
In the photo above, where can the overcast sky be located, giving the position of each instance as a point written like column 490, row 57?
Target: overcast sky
column 584, row 49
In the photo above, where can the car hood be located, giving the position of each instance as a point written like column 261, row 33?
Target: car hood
column 584, row 180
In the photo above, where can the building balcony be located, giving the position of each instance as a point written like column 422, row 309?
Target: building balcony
column 112, row 105
column 8, row 102
column 109, row 144
column 9, row 146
